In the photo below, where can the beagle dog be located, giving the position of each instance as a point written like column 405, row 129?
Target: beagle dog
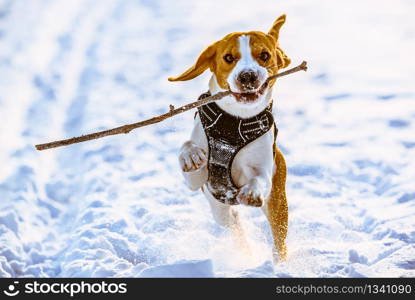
column 232, row 154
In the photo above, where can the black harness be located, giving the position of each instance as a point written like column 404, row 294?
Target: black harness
column 227, row 135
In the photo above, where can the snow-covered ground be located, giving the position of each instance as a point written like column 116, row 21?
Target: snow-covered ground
column 119, row 207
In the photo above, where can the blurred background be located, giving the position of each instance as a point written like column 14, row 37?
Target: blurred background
column 118, row 206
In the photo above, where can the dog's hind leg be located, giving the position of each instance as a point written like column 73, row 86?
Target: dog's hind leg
column 228, row 217
column 239, row 235
column 276, row 208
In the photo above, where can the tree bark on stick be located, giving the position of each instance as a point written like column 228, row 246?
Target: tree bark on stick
column 172, row 112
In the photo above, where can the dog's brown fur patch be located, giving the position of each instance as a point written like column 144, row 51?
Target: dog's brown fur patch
column 278, row 206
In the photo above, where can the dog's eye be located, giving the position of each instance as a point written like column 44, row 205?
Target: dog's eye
column 264, row 56
column 229, row 58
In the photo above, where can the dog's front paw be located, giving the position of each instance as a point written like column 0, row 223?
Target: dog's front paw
column 250, row 195
column 192, row 157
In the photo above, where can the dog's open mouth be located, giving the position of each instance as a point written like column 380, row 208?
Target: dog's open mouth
column 246, row 97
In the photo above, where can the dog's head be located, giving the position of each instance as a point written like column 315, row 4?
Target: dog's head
column 242, row 61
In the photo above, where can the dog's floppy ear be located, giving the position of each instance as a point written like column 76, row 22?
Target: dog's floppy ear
column 202, row 63
column 275, row 29
column 283, row 60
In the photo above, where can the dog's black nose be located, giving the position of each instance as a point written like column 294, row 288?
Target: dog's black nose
column 248, row 79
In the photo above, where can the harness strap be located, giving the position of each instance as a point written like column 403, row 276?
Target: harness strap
column 227, row 135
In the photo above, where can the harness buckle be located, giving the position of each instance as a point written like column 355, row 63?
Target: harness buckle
column 263, row 123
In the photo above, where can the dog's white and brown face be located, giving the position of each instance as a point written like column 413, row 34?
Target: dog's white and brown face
column 240, row 62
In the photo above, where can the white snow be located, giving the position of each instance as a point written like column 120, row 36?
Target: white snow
column 119, row 206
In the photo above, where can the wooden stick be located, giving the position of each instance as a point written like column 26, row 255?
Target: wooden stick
column 173, row 111
column 300, row 67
